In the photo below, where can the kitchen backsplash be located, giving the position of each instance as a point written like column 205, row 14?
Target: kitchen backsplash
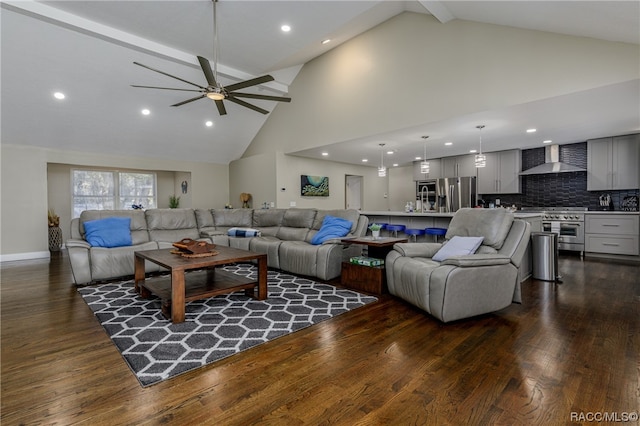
column 558, row 189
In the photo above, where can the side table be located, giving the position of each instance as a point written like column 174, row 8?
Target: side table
column 370, row 279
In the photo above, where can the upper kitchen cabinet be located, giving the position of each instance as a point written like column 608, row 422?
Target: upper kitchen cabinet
column 501, row 174
column 613, row 163
column 460, row 166
column 434, row 170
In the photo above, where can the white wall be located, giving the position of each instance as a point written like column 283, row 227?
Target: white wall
column 413, row 70
column 25, row 197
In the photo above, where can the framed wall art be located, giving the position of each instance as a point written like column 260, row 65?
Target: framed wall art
column 314, row 186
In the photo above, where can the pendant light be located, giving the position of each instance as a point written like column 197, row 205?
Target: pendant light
column 424, row 164
column 382, row 171
column 481, row 159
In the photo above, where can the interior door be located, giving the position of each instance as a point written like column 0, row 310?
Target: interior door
column 353, row 192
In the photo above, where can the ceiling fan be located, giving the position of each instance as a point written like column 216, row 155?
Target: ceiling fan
column 214, row 90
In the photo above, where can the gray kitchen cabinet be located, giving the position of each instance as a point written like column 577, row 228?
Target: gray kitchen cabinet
column 434, row 170
column 613, row 163
column 612, row 233
column 459, row 166
column 501, row 174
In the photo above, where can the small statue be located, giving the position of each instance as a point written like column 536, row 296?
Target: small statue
column 245, row 197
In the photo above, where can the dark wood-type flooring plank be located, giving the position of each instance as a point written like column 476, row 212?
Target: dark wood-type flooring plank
column 569, row 348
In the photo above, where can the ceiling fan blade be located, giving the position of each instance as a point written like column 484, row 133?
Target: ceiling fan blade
column 264, row 97
column 166, row 88
column 248, row 105
column 189, row 100
column 252, row 82
column 221, row 109
column 208, row 73
column 169, row 75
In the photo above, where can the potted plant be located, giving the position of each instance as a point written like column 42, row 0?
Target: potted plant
column 375, row 230
column 174, row 202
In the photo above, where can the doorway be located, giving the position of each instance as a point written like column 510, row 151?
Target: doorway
column 353, row 192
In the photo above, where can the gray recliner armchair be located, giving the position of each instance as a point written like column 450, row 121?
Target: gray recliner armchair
column 466, row 285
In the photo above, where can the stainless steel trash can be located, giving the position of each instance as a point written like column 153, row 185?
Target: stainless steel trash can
column 544, row 246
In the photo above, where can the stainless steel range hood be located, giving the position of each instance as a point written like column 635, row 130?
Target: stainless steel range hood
column 552, row 163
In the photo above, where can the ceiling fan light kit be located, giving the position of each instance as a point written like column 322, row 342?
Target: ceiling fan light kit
column 214, row 90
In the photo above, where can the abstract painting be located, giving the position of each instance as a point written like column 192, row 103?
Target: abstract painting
column 314, row 186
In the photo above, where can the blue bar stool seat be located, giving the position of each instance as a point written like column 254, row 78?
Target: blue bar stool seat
column 395, row 229
column 436, row 232
column 414, row 233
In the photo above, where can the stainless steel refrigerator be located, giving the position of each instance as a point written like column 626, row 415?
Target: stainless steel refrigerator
column 456, row 193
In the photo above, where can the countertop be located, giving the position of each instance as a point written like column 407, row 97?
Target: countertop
column 610, row 212
column 436, row 214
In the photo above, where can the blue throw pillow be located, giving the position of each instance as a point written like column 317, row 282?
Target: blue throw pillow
column 108, row 232
column 332, row 227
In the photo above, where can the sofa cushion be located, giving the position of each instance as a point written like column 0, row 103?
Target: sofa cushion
column 268, row 220
column 229, row 218
column 108, row 232
column 169, row 225
column 332, row 227
column 296, row 224
column 458, row 246
column 492, row 224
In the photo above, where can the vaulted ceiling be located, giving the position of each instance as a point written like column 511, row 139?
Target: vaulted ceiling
column 86, row 50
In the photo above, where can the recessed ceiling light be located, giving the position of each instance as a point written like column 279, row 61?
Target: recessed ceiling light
column 395, row 164
column 547, row 141
column 448, row 143
column 418, row 158
column 59, row 95
column 473, row 151
column 531, row 130
column 209, row 123
column 285, row 28
column 145, row 112
column 364, row 160
column 325, row 154
column 390, row 152
column 325, row 41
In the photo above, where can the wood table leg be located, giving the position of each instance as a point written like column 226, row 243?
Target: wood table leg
column 138, row 273
column 262, row 278
column 177, row 296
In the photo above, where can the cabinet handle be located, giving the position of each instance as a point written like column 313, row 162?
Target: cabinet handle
column 610, row 244
column 610, row 224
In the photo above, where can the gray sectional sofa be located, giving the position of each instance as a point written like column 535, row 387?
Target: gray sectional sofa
column 285, row 236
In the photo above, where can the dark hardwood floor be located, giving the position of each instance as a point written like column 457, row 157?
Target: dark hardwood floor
column 569, row 350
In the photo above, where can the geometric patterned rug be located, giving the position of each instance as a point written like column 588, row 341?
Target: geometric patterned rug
column 156, row 349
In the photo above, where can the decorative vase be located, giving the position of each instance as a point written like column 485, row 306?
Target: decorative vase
column 376, row 234
column 55, row 238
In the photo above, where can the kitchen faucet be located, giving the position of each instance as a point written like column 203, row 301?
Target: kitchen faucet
column 424, row 200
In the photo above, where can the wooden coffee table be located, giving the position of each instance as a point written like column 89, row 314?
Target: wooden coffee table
column 371, row 279
column 176, row 290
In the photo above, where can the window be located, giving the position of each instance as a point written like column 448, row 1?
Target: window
column 108, row 190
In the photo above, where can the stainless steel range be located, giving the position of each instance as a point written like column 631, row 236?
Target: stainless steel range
column 567, row 222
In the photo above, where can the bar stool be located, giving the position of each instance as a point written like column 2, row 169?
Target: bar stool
column 395, row 229
column 436, row 232
column 414, row 233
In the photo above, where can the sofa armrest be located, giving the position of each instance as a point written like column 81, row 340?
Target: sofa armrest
column 77, row 244
column 417, row 249
column 473, row 260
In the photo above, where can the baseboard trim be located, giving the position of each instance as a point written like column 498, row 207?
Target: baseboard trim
column 25, row 256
